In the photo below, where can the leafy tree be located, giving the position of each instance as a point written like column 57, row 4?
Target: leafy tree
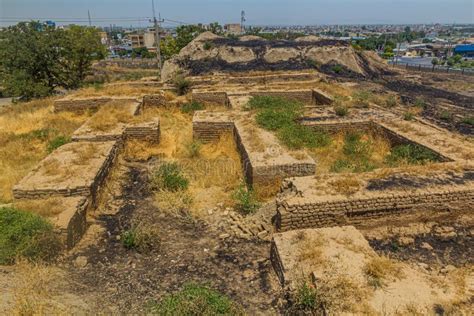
column 169, row 47
column 216, row 28
column 434, row 62
column 35, row 59
column 80, row 47
column 185, row 34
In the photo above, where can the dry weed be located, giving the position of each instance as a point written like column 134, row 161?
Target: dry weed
column 379, row 270
column 34, row 290
column 110, row 115
column 46, row 207
column 309, row 249
column 347, row 185
column 20, row 148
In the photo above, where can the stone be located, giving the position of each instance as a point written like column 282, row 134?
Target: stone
column 405, row 241
column 80, row 262
column 426, row 246
column 224, row 236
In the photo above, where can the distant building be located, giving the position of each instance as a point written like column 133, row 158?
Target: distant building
column 234, row 29
column 146, row 39
column 466, row 50
column 104, row 39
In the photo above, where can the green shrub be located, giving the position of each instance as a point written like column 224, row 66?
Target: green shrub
column 245, row 200
column 468, row 120
column 41, row 134
column 182, row 85
column 208, row 45
column 337, row 68
column 169, row 177
column 411, row 154
column 357, row 154
column 190, row 108
column 341, row 110
column 314, row 63
column 142, row 237
column 24, row 234
column 305, row 298
column 194, row 149
column 57, row 142
column 420, row 103
column 196, row 300
column 446, row 115
column 408, row 116
column 391, row 102
column 362, row 98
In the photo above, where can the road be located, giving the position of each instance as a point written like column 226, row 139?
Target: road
column 5, row 101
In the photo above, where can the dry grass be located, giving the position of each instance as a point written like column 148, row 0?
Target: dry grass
column 116, row 90
column 214, row 173
column 267, row 190
column 347, row 185
column 379, row 270
column 175, row 203
column 327, row 155
column 34, row 290
column 110, row 115
column 309, row 248
column 84, row 154
column 46, row 207
column 20, row 148
column 138, row 150
column 338, row 293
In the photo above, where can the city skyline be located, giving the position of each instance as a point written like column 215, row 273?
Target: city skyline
column 263, row 12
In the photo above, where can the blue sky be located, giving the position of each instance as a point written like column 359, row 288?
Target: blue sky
column 258, row 11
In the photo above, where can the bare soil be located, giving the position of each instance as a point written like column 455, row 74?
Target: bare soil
column 190, row 251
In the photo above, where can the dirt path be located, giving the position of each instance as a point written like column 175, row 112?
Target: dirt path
column 190, row 251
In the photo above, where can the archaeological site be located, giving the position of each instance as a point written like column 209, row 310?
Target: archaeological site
column 295, row 177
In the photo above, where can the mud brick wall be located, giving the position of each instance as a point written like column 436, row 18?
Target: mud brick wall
column 79, row 105
column 97, row 138
column 355, row 211
column 303, row 96
column 72, row 224
column 211, row 97
column 154, row 100
column 149, row 131
column 92, row 190
column 321, row 98
column 211, row 131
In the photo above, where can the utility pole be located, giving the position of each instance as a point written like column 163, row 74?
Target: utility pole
column 242, row 21
column 89, row 15
column 157, row 35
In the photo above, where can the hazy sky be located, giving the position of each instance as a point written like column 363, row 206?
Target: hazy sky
column 257, row 11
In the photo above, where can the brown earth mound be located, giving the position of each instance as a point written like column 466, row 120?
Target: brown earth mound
column 209, row 53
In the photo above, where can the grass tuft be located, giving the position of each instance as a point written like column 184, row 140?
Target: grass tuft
column 245, row 199
column 27, row 235
column 410, row 154
column 196, row 299
column 57, row 142
column 169, row 177
column 191, row 107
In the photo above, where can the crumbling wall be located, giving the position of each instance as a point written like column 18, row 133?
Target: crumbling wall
column 211, row 97
column 91, row 187
column 147, row 131
column 308, row 213
column 71, row 224
column 154, row 100
column 80, row 105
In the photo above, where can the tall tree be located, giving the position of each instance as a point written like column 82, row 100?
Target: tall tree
column 35, row 59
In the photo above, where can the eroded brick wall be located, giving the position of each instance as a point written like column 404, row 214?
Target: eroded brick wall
column 320, row 213
column 211, row 97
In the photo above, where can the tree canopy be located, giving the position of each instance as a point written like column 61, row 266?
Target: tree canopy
column 35, row 59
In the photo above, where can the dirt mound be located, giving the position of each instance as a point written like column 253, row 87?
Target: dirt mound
column 210, row 53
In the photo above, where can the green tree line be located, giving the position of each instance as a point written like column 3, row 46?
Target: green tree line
column 36, row 59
